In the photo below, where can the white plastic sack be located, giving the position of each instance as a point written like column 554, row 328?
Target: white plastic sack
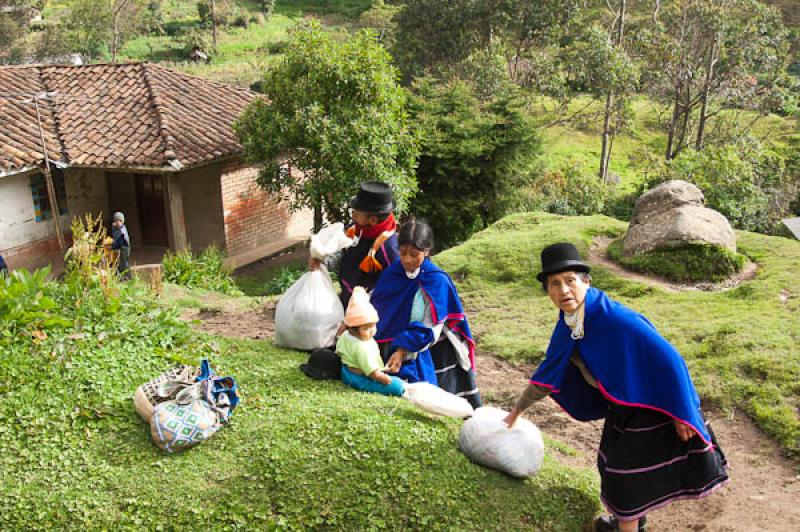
column 433, row 399
column 487, row 440
column 309, row 313
column 328, row 241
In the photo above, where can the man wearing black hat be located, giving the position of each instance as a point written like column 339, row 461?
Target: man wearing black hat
column 374, row 230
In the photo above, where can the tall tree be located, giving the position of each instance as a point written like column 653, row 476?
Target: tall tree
column 432, row 35
column 477, row 153
column 706, row 54
column 336, row 113
column 94, row 27
column 607, row 141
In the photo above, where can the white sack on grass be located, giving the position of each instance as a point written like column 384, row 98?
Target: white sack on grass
column 309, row 313
column 433, row 399
column 487, row 440
column 328, row 241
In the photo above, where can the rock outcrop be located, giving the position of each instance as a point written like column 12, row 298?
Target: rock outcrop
column 673, row 215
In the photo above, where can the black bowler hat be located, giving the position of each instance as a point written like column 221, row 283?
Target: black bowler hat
column 323, row 364
column 373, row 197
column 559, row 258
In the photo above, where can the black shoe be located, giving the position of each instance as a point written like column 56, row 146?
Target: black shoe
column 608, row 523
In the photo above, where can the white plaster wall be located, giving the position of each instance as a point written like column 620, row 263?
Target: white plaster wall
column 18, row 225
column 86, row 193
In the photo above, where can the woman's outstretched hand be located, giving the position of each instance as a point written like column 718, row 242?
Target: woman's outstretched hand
column 685, row 432
column 511, row 418
column 396, row 360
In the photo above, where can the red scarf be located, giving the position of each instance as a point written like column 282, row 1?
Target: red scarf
column 371, row 232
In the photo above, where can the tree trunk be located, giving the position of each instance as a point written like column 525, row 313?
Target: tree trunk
column 214, row 24
column 317, row 219
column 605, row 156
column 114, row 39
column 672, row 124
column 605, row 150
column 712, row 61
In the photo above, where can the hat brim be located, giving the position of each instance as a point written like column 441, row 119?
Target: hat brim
column 384, row 209
column 317, row 373
column 563, row 266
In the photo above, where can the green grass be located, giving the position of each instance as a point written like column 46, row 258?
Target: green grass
column 741, row 344
column 266, row 280
column 690, row 263
column 298, row 454
column 242, row 53
column 580, row 139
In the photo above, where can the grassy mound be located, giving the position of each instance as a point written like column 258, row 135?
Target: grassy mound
column 740, row 344
column 299, row 454
column 688, row 264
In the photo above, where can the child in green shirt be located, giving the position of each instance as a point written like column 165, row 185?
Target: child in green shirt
column 362, row 365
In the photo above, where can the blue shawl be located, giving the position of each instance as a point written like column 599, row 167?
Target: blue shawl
column 393, row 297
column 633, row 364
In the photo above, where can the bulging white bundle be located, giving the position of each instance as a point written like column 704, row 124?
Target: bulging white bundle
column 487, row 440
column 328, row 241
column 433, row 399
column 309, row 313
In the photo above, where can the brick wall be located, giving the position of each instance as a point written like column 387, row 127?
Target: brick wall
column 36, row 254
column 252, row 217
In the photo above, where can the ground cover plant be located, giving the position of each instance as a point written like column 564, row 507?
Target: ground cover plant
column 298, row 454
column 205, row 270
column 690, row 263
column 740, row 344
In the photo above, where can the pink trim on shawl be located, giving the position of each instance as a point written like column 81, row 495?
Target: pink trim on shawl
column 613, row 399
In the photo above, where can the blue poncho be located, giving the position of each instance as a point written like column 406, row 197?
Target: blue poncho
column 393, row 297
column 633, row 364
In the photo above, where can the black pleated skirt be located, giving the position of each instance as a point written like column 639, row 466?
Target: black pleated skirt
column 644, row 465
column 450, row 376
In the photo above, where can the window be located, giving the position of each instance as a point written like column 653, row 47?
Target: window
column 41, row 201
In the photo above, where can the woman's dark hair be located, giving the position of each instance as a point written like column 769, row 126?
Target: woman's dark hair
column 417, row 233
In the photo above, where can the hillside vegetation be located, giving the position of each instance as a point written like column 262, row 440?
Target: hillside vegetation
column 298, row 454
column 740, row 344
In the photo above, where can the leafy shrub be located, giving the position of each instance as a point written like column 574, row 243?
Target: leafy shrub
column 206, row 270
column 691, row 263
column 475, row 156
column 570, row 190
column 749, row 184
column 282, row 280
column 25, row 303
column 267, row 6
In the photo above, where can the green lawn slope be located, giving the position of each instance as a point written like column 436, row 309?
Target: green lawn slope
column 741, row 345
column 299, row 454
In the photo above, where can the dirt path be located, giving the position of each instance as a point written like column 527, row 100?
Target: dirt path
column 598, row 255
column 764, row 493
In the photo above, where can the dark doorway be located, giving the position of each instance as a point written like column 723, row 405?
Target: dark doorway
column 153, row 219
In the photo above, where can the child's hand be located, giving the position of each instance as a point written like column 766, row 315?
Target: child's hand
column 381, row 377
column 685, row 432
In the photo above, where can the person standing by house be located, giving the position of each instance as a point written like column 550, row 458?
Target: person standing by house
column 607, row 361
column 121, row 243
column 374, row 231
column 3, row 267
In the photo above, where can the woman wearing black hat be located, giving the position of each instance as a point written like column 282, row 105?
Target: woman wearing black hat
column 607, row 361
column 374, row 230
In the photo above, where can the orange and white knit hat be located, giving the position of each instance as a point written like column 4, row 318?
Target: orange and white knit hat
column 359, row 310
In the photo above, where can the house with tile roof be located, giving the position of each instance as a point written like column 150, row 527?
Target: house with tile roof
column 152, row 142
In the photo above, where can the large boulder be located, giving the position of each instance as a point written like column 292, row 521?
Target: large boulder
column 673, row 215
